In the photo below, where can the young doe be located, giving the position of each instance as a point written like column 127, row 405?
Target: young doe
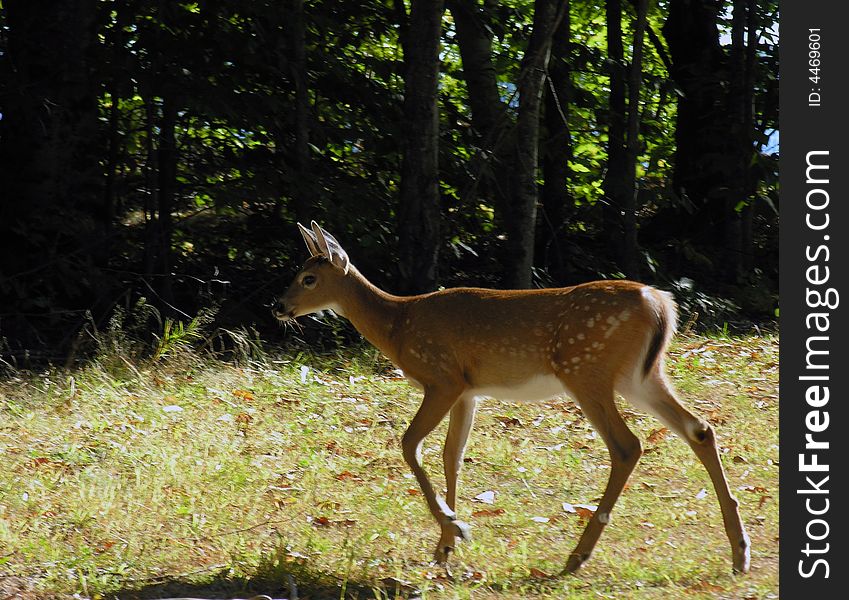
column 457, row 345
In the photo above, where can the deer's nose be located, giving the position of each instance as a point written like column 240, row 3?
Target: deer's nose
column 278, row 309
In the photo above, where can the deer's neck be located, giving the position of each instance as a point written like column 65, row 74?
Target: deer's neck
column 371, row 310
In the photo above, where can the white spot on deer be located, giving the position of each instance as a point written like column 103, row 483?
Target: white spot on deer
column 559, row 344
column 596, row 344
column 576, row 359
column 581, row 336
column 567, row 370
column 625, row 315
column 590, row 323
column 613, row 327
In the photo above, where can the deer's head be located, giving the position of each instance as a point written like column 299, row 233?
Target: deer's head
column 319, row 284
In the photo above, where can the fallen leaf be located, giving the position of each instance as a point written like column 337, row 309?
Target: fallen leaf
column 347, row 475
column 656, row 435
column 575, row 508
column 486, row 512
column 704, row 586
column 487, row 497
column 538, row 574
column 754, row 488
column 584, row 513
column 244, row 395
column 319, row 521
column 509, row 421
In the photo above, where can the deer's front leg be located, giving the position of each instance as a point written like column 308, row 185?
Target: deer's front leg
column 436, row 404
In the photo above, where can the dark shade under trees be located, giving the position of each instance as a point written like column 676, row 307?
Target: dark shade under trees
column 163, row 151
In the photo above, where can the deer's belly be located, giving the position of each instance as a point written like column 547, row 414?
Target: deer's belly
column 535, row 389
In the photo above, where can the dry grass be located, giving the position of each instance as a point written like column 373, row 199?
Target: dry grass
column 205, row 479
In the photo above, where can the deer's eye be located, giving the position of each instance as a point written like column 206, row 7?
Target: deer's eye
column 308, row 281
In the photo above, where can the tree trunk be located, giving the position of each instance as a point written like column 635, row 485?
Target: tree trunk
column 747, row 235
column 616, row 185
column 113, row 151
column 492, row 164
column 419, row 210
column 702, row 122
column 521, row 226
column 557, row 202
column 167, row 170
column 302, row 189
column 739, row 154
column 474, row 39
column 49, row 136
column 629, row 258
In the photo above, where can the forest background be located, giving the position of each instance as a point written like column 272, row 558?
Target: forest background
column 156, row 155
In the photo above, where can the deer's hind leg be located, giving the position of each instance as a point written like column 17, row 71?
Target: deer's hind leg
column 654, row 394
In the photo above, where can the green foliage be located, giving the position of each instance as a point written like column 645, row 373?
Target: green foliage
column 177, row 337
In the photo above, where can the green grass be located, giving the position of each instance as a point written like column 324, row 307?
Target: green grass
column 201, row 478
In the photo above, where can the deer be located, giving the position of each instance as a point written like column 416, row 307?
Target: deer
column 458, row 345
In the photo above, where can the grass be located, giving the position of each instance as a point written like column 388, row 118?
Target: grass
column 201, row 478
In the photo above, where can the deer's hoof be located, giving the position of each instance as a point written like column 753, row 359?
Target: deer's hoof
column 574, row 563
column 743, row 555
column 442, row 552
column 451, row 532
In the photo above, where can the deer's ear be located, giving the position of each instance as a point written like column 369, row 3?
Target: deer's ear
column 310, row 240
column 331, row 248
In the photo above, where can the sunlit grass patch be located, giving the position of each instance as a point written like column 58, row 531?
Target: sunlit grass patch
column 289, row 473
